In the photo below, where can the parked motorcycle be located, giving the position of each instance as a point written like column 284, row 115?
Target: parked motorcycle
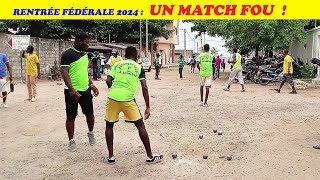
column 268, row 75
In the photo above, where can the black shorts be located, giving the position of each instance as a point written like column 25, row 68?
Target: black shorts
column 85, row 102
column 157, row 69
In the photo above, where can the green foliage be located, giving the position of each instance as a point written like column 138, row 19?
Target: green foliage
column 308, row 71
column 125, row 31
column 254, row 34
column 214, row 51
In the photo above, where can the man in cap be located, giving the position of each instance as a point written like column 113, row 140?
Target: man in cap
column 114, row 58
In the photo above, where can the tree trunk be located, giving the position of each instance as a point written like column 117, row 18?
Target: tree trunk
column 257, row 52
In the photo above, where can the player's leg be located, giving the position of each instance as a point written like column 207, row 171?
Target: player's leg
column 284, row 80
column 208, row 86
column 29, row 87
column 201, row 89
column 86, row 104
column 232, row 76
column 109, row 139
column 240, row 78
column 72, row 112
column 33, row 84
column 113, row 109
column 290, row 81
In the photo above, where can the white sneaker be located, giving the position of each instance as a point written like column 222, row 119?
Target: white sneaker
column 72, row 145
column 92, row 140
column 4, row 105
column 33, row 99
column 205, row 105
column 201, row 103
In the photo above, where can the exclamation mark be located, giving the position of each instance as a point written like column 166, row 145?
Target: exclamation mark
column 284, row 10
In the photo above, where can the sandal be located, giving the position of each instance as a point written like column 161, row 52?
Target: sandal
column 155, row 159
column 226, row 89
column 243, row 90
column 278, row 90
column 316, row 146
column 108, row 160
column 293, row 92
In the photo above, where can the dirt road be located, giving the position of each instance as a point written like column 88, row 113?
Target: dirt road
column 269, row 135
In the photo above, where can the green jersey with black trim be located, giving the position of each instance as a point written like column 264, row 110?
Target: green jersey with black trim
column 126, row 75
column 78, row 62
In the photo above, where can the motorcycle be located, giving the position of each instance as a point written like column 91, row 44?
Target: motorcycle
column 268, row 75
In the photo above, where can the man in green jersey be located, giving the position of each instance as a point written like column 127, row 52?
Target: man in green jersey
column 157, row 66
column 123, row 81
column 236, row 70
column 205, row 65
column 181, row 63
column 78, row 86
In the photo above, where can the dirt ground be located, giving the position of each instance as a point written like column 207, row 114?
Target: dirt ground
column 269, row 135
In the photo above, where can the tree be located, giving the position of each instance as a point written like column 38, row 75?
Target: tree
column 120, row 30
column 214, row 51
column 254, row 34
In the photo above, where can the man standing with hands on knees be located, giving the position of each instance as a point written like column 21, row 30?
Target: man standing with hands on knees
column 32, row 72
column 123, row 82
column 78, row 86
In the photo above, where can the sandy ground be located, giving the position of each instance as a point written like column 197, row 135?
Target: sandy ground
column 269, row 135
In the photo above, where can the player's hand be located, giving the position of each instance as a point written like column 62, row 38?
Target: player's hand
column 39, row 76
column 95, row 90
column 74, row 94
column 214, row 77
column 147, row 113
column 10, row 78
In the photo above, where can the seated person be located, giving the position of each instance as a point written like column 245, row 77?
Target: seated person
column 55, row 70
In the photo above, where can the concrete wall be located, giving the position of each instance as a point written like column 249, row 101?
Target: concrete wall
column 48, row 50
column 174, row 37
column 308, row 49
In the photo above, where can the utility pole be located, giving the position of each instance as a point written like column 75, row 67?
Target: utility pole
column 185, row 42
column 147, row 39
column 140, row 46
column 201, row 41
column 194, row 45
column 197, row 46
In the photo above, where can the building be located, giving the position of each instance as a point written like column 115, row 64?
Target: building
column 178, row 52
column 308, row 49
column 166, row 47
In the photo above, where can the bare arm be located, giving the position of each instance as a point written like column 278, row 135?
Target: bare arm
column 93, row 88
column 297, row 64
column 198, row 65
column 38, row 67
column 109, row 81
column 289, row 66
column 9, row 69
column 66, row 77
column 213, row 69
column 145, row 92
column 23, row 53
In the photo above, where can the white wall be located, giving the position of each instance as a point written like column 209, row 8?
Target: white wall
column 307, row 49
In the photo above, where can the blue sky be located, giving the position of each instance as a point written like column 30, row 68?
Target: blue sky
column 212, row 41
